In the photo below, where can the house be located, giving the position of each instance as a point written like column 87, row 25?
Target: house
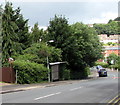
column 111, row 44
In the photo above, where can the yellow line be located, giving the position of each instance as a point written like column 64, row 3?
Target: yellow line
column 117, row 100
column 114, row 99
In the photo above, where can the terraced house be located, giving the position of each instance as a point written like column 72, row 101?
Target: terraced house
column 111, row 44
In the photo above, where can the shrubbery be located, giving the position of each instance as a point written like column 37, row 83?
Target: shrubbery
column 103, row 64
column 29, row 72
column 66, row 74
column 80, row 75
column 106, row 65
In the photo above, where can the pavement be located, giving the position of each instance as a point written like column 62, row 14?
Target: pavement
column 8, row 87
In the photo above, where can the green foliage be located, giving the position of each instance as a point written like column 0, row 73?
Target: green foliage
column 78, row 42
column 103, row 64
column 116, row 59
column 112, row 57
column 109, row 43
column 37, row 34
column 59, row 31
column 14, row 32
column 82, row 74
column 117, row 19
column 66, row 74
column 22, row 31
column 114, row 66
column 26, row 57
column 111, row 28
column 29, row 72
column 85, row 46
column 40, row 51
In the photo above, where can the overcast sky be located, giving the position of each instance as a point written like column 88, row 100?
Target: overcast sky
column 86, row 11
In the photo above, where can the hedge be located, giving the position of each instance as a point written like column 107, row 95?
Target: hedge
column 103, row 64
column 28, row 72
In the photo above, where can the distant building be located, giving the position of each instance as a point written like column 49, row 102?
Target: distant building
column 109, row 49
column 90, row 25
column 112, row 38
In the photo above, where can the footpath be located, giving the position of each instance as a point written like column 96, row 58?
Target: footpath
column 8, row 88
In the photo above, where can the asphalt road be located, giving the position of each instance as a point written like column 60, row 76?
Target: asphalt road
column 99, row 90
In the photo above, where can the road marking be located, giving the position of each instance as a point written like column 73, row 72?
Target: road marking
column 115, row 99
column 75, row 88
column 47, row 96
column 115, row 77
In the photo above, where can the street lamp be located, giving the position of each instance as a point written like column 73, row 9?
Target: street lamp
column 50, row 41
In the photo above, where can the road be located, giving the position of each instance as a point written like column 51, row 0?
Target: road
column 99, row 90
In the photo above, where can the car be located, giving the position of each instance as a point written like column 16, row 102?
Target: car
column 98, row 67
column 102, row 72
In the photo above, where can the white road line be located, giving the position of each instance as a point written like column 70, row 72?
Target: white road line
column 75, row 88
column 47, row 96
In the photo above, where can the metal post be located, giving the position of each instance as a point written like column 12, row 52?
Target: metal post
column 50, row 41
column 16, row 77
column 48, row 69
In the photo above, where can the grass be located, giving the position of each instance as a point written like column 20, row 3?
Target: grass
column 2, row 82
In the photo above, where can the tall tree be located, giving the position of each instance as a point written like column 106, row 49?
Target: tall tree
column 59, row 31
column 23, row 30
column 1, row 10
column 8, row 32
column 37, row 34
column 83, row 48
column 80, row 44
column 13, row 32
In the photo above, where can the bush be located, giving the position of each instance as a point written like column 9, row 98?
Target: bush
column 66, row 74
column 82, row 74
column 103, row 64
column 28, row 72
column 113, row 66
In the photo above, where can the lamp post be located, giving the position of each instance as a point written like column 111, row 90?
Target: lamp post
column 48, row 61
column 50, row 41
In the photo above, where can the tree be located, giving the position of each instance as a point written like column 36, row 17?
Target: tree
column 8, row 32
column 117, row 19
column 59, row 31
column 112, row 59
column 14, row 32
column 23, row 30
column 100, row 28
column 84, row 48
column 37, row 34
column 79, row 44
column 38, row 53
column 111, row 28
column 1, row 10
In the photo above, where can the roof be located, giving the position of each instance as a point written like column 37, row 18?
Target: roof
column 56, row 63
column 113, row 48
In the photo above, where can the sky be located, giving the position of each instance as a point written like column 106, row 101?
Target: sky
column 86, row 11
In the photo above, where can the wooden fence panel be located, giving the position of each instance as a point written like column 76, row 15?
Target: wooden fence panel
column 8, row 75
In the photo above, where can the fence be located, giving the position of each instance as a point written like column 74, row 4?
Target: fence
column 7, row 74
